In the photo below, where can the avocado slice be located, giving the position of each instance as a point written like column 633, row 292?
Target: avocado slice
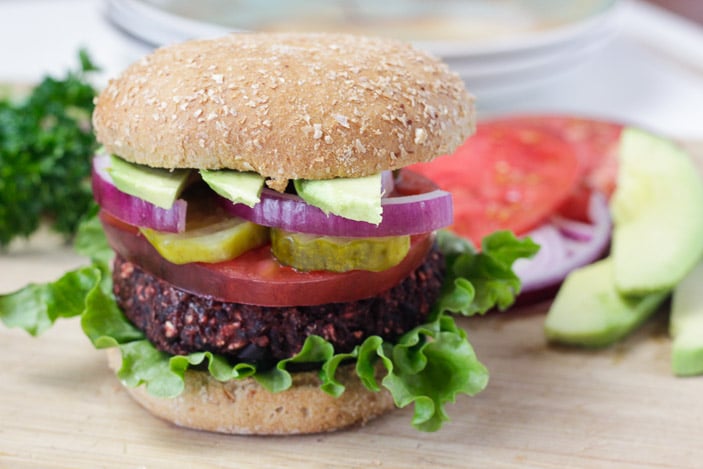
column 686, row 325
column 239, row 187
column 656, row 208
column 353, row 198
column 589, row 311
column 158, row 186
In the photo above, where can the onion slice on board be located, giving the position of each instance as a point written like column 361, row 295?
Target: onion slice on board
column 405, row 214
column 133, row 210
column 564, row 246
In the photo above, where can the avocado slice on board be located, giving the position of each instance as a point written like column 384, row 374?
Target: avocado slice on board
column 589, row 311
column 657, row 213
column 686, row 325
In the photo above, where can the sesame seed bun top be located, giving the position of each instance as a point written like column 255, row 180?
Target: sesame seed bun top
column 288, row 106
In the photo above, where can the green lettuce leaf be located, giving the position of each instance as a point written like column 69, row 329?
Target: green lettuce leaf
column 477, row 282
column 35, row 307
column 104, row 323
column 427, row 367
column 163, row 374
column 90, row 240
column 314, row 350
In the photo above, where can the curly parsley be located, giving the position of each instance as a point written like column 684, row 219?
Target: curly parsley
column 46, row 142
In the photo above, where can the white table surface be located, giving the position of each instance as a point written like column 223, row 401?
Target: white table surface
column 651, row 73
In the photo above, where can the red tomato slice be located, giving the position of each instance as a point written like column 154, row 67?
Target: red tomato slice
column 595, row 143
column 509, row 175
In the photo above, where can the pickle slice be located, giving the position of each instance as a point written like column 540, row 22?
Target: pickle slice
column 212, row 239
column 308, row 252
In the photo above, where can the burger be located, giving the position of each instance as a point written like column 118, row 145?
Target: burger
column 277, row 269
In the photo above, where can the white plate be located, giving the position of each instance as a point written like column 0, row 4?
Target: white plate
column 450, row 27
column 520, row 78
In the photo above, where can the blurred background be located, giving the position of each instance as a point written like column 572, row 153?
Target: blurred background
column 632, row 61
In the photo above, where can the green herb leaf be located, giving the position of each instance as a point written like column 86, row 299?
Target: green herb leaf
column 46, row 142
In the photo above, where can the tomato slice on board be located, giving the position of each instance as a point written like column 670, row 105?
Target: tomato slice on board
column 596, row 143
column 506, row 176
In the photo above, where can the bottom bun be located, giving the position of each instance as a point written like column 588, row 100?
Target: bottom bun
column 245, row 407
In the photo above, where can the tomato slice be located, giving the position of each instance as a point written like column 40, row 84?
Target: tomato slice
column 256, row 277
column 595, row 143
column 507, row 176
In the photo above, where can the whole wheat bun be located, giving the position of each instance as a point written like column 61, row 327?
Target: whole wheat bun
column 245, row 407
column 288, row 106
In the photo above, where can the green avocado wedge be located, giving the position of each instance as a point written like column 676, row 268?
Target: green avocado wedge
column 353, row 198
column 589, row 311
column 657, row 242
column 657, row 213
column 158, row 186
column 236, row 186
column 686, row 325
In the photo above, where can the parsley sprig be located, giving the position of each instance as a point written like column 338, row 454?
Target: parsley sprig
column 46, row 142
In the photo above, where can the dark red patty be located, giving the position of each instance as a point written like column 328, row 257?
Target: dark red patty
column 179, row 322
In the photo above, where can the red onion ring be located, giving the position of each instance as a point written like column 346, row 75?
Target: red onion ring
column 564, row 246
column 413, row 214
column 573, row 229
column 133, row 210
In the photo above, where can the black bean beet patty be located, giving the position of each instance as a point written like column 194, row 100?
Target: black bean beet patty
column 179, row 322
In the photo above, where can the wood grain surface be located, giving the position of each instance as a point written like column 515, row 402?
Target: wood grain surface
column 545, row 406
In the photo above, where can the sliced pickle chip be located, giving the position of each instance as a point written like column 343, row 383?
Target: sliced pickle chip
column 211, row 239
column 308, row 252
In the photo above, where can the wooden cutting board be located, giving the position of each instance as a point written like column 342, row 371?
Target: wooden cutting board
column 545, row 406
